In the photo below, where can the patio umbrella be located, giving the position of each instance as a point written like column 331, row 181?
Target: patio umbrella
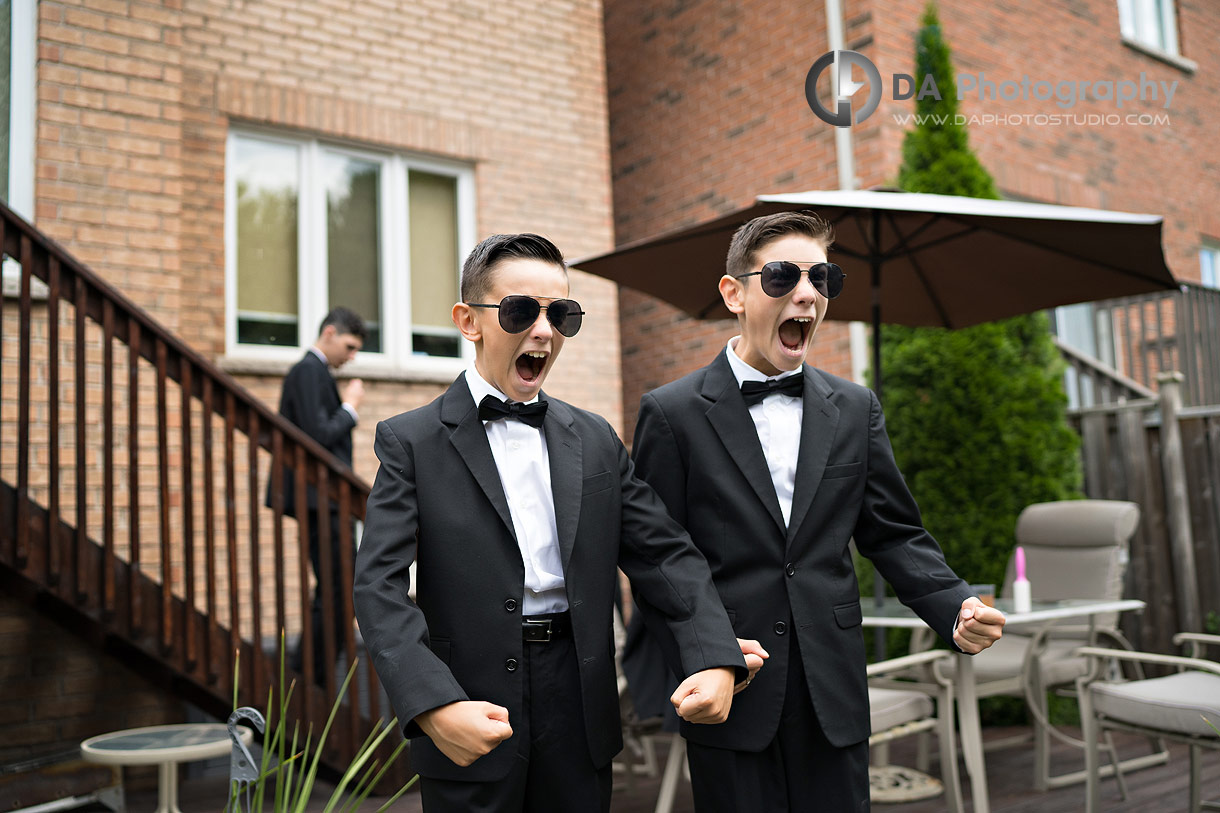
column 918, row 259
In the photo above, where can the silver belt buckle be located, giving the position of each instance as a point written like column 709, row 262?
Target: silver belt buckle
column 538, row 630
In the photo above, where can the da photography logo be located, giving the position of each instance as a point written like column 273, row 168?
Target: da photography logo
column 843, row 87
column 1065, row 94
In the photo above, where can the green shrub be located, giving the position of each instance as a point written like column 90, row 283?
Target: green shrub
column 976, row 417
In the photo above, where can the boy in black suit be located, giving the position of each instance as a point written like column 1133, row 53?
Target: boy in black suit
column 519, row 508
column 311, row 400
column 773, row 466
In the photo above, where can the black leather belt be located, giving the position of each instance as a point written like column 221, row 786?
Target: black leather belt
column 543, row 628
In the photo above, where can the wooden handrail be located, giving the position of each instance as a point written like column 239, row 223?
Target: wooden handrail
column 1111, row 380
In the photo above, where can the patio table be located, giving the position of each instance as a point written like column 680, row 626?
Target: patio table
column 164, row 746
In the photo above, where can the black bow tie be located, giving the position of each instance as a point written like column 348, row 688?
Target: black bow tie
column 492, row 408
column 755, row 391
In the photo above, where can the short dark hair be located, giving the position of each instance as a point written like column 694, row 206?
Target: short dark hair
column 345, row 320
column 755, row 234
column 477, row 270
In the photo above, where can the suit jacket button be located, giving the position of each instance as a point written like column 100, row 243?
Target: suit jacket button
column 511, row 664
column 510, row 605
column 790, row 569
column 780, row 627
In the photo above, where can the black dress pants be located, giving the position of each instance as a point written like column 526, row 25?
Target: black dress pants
column 798, row 771
column 553, row 772
column 321, row 666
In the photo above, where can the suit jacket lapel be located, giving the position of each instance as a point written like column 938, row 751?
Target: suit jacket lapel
column 334, row 388
column 819, row 421
column 731, row 419
column 469, row 438
column 564, row 448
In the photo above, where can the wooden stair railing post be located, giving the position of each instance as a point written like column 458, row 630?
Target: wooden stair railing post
column 77, row 581
column 345, row 579
column 211, row 658
column 53, row 507
column 23, row 410
column 301, row 501
column 135, row 606
column 277, row 530
column 258, row 677
column 107, row 587
column 231, row 546
column 325, row 575
column 190, row 642
column 166, row 615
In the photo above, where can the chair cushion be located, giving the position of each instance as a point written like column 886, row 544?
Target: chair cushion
column 894, row 707
column 1175, row 703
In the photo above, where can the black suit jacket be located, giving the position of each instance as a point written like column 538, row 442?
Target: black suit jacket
column 438, row 497
column 696, row 444
column 310, row 400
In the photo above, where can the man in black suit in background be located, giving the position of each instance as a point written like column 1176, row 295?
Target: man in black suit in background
column 773, row 466
column 311, row 400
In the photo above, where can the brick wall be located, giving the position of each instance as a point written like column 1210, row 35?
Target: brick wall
column 59, row 691
column 109, row 172
column 136, row 98
column 707, row 110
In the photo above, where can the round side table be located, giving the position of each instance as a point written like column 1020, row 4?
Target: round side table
column 164, row 746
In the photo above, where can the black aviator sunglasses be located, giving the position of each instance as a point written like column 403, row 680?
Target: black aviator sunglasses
column 781, row 276
column 518, row 312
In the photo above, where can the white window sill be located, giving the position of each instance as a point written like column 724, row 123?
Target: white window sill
column 1179, row 62
column 422, row 371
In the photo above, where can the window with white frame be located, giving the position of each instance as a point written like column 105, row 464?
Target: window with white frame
column 312, row 225
column 1150, row 22
column 1209, row 264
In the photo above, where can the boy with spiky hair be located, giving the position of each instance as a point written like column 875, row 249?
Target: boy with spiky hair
column 520, row 508
column 773, row 466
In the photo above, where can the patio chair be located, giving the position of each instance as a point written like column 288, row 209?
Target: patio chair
column 1181, row 706
column 901, row 708
column 1074, row 549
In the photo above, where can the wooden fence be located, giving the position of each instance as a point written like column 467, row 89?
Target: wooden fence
column 1166, row 458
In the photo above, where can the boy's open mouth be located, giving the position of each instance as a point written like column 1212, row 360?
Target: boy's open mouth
column 530, row 364
column 794, row 333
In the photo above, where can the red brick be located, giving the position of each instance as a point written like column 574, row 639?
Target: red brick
column 134, row 30
column 132, row 106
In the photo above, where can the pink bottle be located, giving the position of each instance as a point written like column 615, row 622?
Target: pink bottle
column 1022, row 601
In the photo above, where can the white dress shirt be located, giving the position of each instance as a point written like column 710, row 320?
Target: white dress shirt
column 525, row 473
column 778, row 421
column 351, row 410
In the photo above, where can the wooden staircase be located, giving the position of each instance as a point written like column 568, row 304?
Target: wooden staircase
column 131, row 508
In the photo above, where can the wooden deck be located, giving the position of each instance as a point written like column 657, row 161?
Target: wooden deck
column 1009, row 771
